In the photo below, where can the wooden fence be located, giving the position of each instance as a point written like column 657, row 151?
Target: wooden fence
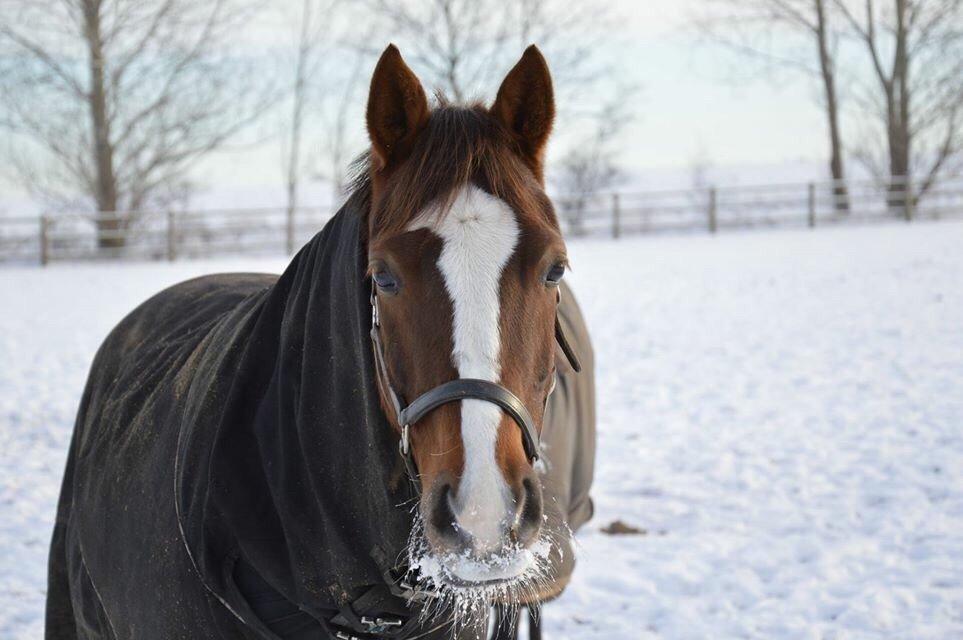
column 170, row 235
column 713, row 209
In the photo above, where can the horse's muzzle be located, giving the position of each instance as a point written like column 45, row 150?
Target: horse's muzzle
column 451, row 532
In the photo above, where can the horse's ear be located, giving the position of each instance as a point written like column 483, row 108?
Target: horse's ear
column 397, row 110
column 525, row 105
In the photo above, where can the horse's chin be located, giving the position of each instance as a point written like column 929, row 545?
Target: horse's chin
column 466, row 576
column 467, row 572
column 512, row 575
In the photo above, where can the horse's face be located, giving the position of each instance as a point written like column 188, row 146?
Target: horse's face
column 465, row 252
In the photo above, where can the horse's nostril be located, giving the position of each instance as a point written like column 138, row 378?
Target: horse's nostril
column 528, row 513
column 444, row 521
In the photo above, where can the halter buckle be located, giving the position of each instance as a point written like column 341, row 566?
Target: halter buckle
column 380, row 625
column 404, row 445
column 375, row 314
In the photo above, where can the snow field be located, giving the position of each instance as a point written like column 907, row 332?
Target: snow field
column 781, row 412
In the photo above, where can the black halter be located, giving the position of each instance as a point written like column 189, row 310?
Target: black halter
column 454, row 391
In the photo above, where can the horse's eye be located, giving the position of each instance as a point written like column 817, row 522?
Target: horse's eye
column 385, row 281
column 554, row 275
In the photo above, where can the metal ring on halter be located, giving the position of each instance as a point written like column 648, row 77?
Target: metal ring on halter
column 404, row 445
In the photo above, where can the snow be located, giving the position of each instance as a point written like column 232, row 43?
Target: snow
column 781, row 412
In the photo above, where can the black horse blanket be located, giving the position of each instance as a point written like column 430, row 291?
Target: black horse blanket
column 230, row 440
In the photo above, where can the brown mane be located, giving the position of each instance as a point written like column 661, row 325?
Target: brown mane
column 459, row 145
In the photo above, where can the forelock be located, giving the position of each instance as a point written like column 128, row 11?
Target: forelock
column 459, row 146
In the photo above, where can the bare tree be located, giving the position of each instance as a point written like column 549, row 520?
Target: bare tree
column 340, row 101
column 450, row 40
column 292, row 167
column 590, row 166
column 915, row 49
column 700, row 169
column 118, row 99
column 700, row 178
column 314, row 42
column 765, row 30
column 463, row 47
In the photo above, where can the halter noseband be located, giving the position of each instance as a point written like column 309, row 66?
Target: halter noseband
column 455, row 391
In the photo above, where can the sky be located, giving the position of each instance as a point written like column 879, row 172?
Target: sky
column 690, row 108
column 687, row 111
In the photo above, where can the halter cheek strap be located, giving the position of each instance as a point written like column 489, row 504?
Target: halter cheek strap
column 563, row 342
column 455, row 391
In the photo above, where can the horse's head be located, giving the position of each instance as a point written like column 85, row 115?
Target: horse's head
column 466, row 255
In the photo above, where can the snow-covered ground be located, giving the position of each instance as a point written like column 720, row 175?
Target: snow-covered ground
column 781, row 412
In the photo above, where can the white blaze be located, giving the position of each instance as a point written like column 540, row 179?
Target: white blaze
column 479, row 235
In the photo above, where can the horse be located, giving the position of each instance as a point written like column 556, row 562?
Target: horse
column 366, row 446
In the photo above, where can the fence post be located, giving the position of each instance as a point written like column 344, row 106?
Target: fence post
column 616, row 216
column 713, row 225
column 171, row 237
column 811, row 203
column 908, row 198
column 44, row 240
column 289, row 241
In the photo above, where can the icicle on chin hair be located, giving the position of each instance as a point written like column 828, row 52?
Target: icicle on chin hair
column 467, row 605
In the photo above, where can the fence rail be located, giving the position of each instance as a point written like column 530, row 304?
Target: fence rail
column 713, row 209
column 169, row 235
